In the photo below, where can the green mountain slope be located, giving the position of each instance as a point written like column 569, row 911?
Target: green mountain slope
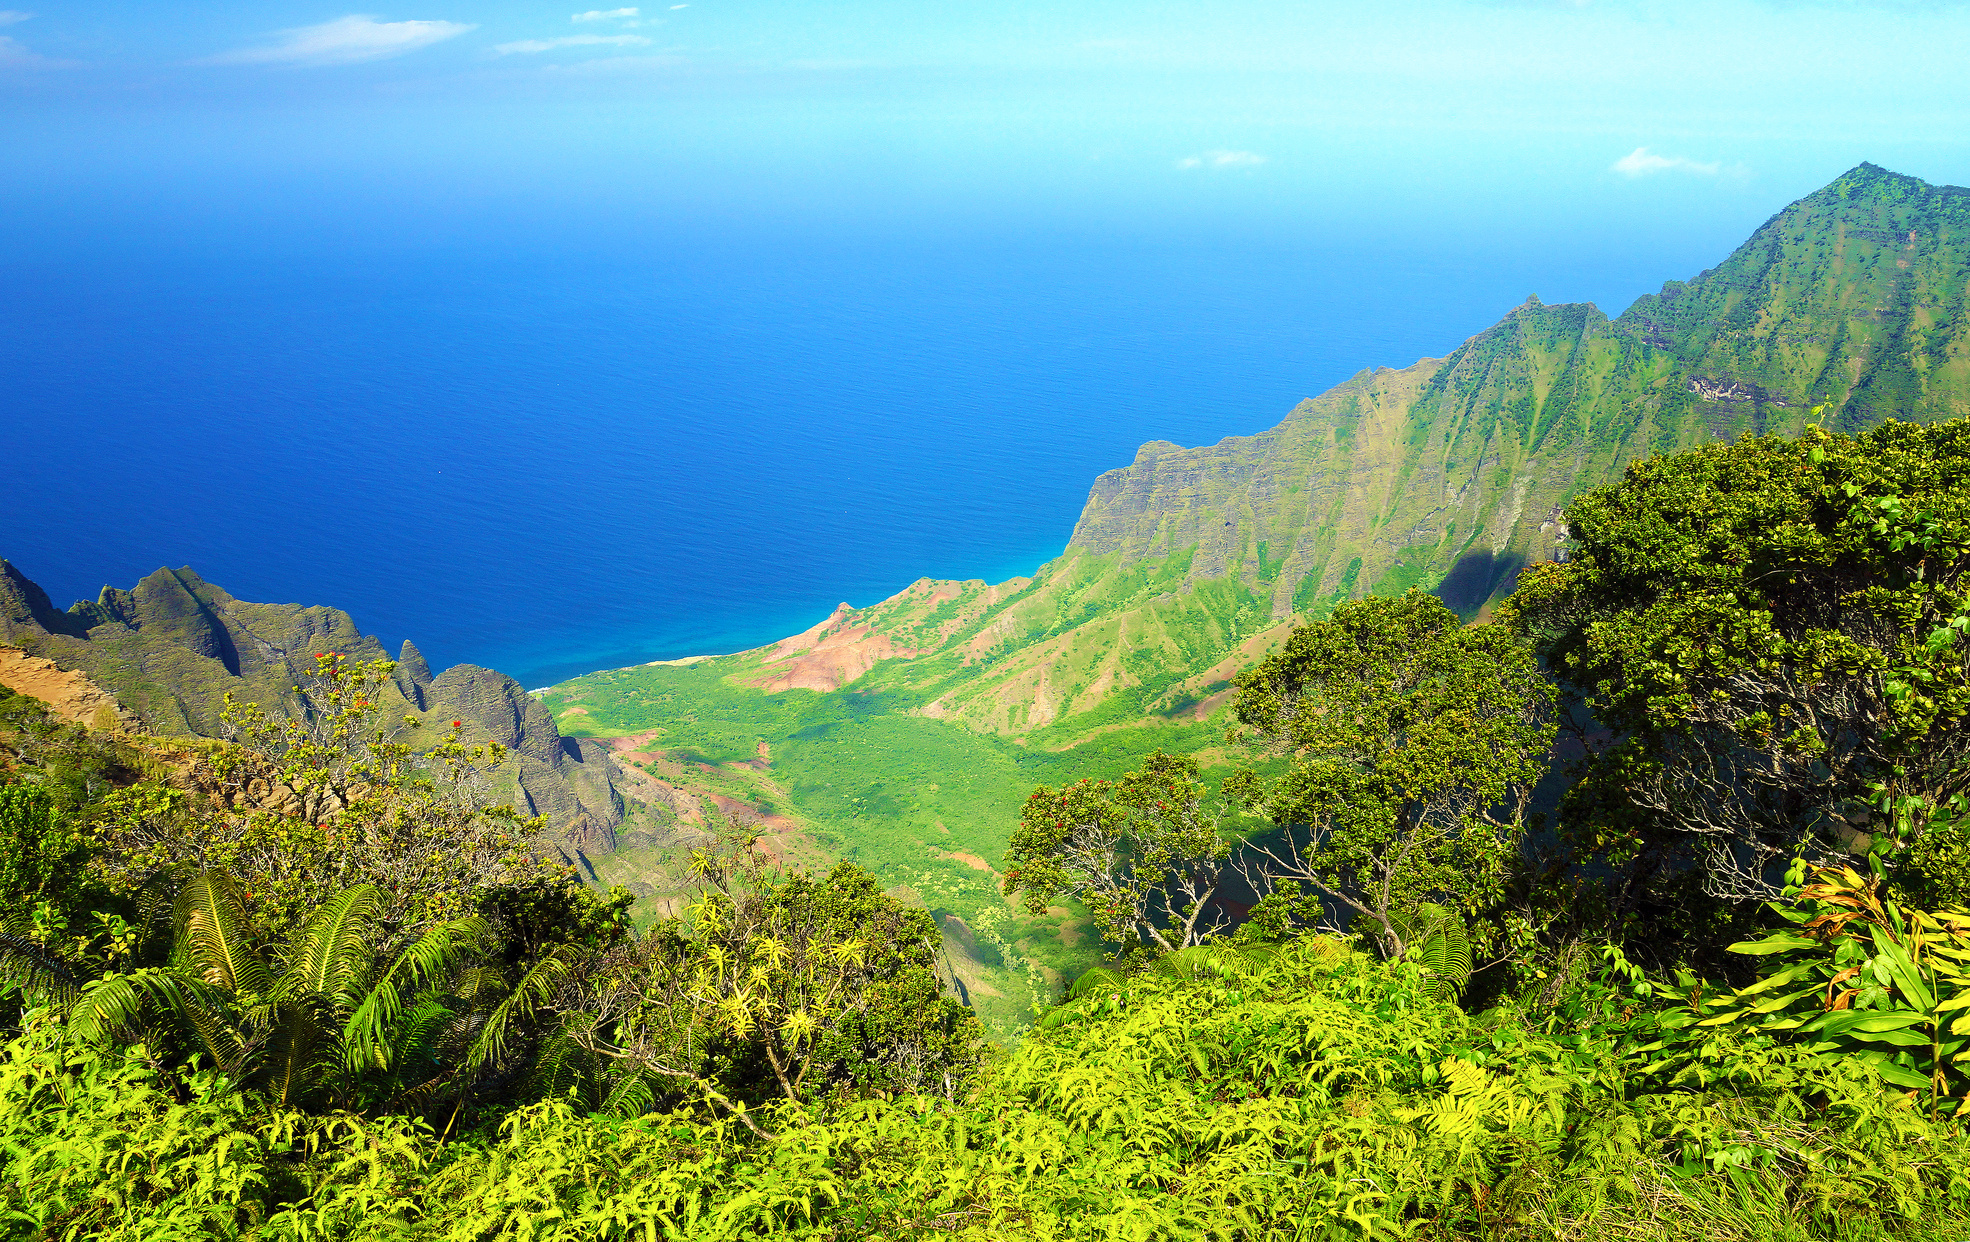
column 904, row 734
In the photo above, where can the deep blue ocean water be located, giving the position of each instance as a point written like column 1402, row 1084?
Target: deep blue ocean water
column 555, row 457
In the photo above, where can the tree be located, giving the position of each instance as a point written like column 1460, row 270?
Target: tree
column 1774, row 633
column 1415, row 742
column 779, row 986
column 327, row 915
column 332, row 798
column 1143, row 853
column 323, row 1019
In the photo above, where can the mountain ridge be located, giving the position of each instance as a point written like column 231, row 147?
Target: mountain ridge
column 172, row 647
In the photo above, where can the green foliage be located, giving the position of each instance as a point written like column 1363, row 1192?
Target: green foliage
column 322, row 1021
column 1143, row 853
column 1315, row 1094
column 898, row 795
column 73, row 766
column 778, row 987
column 1415, row 744
column 43, row 855
column 1437, row 940
column 1861, row 981
column 1773, row 631
column 332, row 800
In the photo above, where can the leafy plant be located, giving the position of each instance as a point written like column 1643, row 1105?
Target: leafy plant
column 1437, row 940
column 1415, row 744
column 1772, row 631
column 1143, row 853
column 321, row 1021
column 1861, row 979
column 792, row 987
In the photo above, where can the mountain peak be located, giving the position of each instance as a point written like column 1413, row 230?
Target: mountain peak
column 1872, row 184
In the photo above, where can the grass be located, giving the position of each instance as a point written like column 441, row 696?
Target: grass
column 901, row 795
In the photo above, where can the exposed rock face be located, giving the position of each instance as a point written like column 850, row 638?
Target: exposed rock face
column 574, row 782
column 70, row 696
column 1442, row 475
column 413, row 674
column 171, row 649
column 1450, row 474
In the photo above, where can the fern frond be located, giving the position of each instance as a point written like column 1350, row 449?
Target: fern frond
column 300, row 1046
column 366, row 1033
column 1437, row 940
column 35, row 969
column 110, row 1004
column 1093, row 981
column 631, row 1096
column 563, row 1063
column 213, row 936
column 416, row 1031
column 329, row 955
column 476, row 983
column 535, row 989
column 1208, row 961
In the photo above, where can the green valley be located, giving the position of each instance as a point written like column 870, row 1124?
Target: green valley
column 905, row 734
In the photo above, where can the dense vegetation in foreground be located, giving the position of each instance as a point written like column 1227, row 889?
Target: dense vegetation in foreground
column 305, row 984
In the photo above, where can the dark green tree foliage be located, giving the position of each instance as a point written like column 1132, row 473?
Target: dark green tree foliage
column 1774, row 632
column 1144, row 853
column 1415, row 743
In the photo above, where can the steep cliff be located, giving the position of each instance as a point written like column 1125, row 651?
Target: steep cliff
column 905, row 734
column 172, row 647
column 1450, row 474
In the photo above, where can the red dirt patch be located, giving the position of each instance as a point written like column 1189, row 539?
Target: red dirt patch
column 70, row 696
column 829, row 655
column 745, row 813
column 1206, row 706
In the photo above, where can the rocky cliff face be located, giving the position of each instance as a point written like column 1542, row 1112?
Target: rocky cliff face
column 1450, row 474
column 172, row 647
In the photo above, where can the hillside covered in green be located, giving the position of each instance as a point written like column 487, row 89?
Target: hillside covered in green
column 1192, row 564
column 1722, row 994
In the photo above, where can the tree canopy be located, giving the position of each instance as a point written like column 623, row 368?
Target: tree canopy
column 1144, row 853
column 1773, row 634
column 1415, row 742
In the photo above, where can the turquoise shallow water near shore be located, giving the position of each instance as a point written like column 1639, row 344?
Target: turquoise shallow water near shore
column 558, row 458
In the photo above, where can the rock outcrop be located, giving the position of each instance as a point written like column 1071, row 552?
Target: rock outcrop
column 171, row 648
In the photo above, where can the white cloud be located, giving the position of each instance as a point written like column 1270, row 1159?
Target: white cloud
column 14, row 56
column 1641, row 162
column 675, row 7
column 548, row 45
column 1222, row 159
column 603, row 15
column 344, row 41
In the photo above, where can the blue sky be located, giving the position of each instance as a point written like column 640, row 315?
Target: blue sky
column 1096, row 115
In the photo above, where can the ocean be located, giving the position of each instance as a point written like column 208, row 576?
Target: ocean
column 554, row 456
